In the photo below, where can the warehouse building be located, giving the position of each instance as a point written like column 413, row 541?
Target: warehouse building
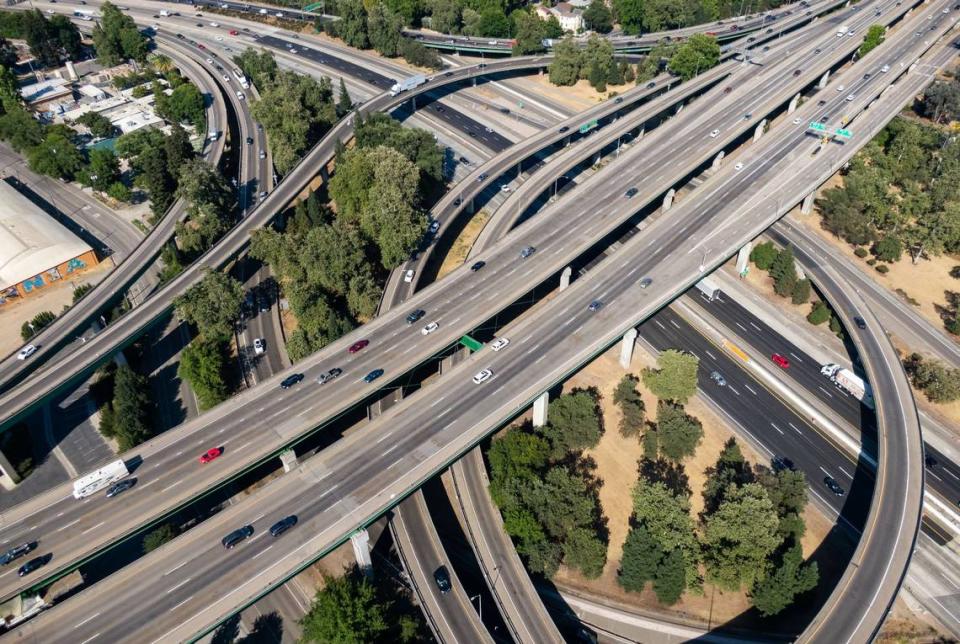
column 35, row 249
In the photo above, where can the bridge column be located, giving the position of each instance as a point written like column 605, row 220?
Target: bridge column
column 640, row 133
column 361, row 551
column 717, row 160
column 807, row 204
column 626, row 348
column 540, row 409
column 743, row 259
column 757, row 133
column 824, row 79
column 679, row 107
column 793, row 104
column 8, row 475
column 289, row 460
column 668, row 199
column 565, row 278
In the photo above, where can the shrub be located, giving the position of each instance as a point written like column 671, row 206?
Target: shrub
column 860, row 252
column 819, row 313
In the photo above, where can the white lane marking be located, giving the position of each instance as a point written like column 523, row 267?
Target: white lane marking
column 825, row 391
column 391, row 449
column 394, row 463
column 93, row 528
column 733, row 389
column 261, row 552
column 379, row 440
column 445, row 411
column 182, row 603
column 182, row 583
column 674, row 323
column 538, row 360
column 741, row 326
column 951, row 473
column 633, row 270
column 657, row 322
column 176, row 568
column 712, row 357
column 934, row 475
column 845, row 473
column 79, row 624
column 755, row 327
column 438, row 401
column 170, row 487
column 68, row 525
column 795, row 428
column 777, row 428
column 750, row 389
column 570, row 321
column 90, row 639
column 796, row 357
column 242, row 446
column 824, row 471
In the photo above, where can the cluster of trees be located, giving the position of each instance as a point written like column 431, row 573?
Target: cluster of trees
column 941, row 101
column 546, row 491
column 875, row 36
column 35, row 325
column 641, row 16
column 99, row 125
column 695, row 55
column 126, row 417
column 747, row 537
column 212, row 305
column 675, row 435
column 210, row 202
column 155, row 161
column 116, row 37
column 352, row 609
column 51, row 41
column 184, row 105
column 938, row 382
column 379, row 26
column 295, row 110
column 594, row 63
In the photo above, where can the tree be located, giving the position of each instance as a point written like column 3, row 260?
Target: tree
column 158, row 536
column 8, row 54
column 582, row 549
column 103, row 170
column 384, row 29
column 801, row 292
column 56, row 156
column 177, row 146
column 640, row 559
column 34, row 326
column 99, row 125
column 493, row 23
column 352, row 26
column 631, row 406
column 565, row 67
column 597, row 17
column 529, row 34
column 874, row 37
column 667, row 517
column 347, row 611
column 344, row 104
column 940, row 384
column 183, row 105
column 419, row 55
column 941, row 101
column 763, row 255
column 696, row 55
column 131, row 408
column 819, row 313
column 670, row 579
column 202, row 364
column 678, row 434
column 156, row 179
column 80, row 290
column 888, row 249
column 675, row 377
column 210, row 203
column 784, row 272
column 630, row 15
column 575, row 423
column 116, row 37
column 790, row 578
column 212, row 304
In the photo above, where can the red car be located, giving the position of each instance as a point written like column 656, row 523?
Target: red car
column 200, row 46
column 234, row 32
column 359, row 344
column 211, row 454
column 780, row 361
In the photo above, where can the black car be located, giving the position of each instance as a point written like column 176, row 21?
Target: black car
column 595, row 306
column 527, row 251
column 563, row 129
column 119, row 488
column 457, row 201
column 283, row 525
column 291, row 380
column 781, row 463
column 832, row 485
column 619, row 99
column 504, row 110
column 629, row 194
column 477, row 266
column 824, row 118
column 236, row 536
column 483, row 175
column 249, row 140
column 324, row 378
column 15, row 553
column 860, row 322
column 415, row 315
column 465, row 160
column 373, row 375
column 651, row 84
column 33, row 564
column 442, row 577
column 929, row 461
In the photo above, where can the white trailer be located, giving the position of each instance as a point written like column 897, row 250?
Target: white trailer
column 842, row 30
column 709, row 289
column 95, row 481
column 407, row 84
column 850, row 383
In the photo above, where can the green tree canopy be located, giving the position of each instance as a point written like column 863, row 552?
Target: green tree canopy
column 202, row 364
column 631, row 405
column 116, row 37
column 212, row 304
column 696, row 55
column 675, row 377
column 597, row 17
column 678, row 433
column 346, row 611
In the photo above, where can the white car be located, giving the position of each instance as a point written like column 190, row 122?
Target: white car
column 738, row 167
column 292, row 50
column 430, row 328
column 840, row 88
column 797, row 121
column 499, row 343
column 226, row 78
column 258, row 346
column 850, row 97
column 214, row 24
column 209, row 61
column 714, row 134
column 504, row 188
column 885, row 69
column 434, row 227
column 263, row 155
column 408, row 276
column 26, row 352
column 155, row 27
column 482, row 376
column 240, row 95
column 219, row 38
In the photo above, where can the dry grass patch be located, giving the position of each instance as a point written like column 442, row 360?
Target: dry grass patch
column 464, row 242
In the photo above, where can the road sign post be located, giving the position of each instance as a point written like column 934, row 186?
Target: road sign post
column 589, row 125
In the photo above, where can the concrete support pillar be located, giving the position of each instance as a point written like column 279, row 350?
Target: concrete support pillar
column 679, row 107
column 793, row 104
column 289, row 460
column 640, row 133
column 626, row 348
column 668, row 199
column 757, row 133
column 743, row 259
column 717, row 160
column 361, row 551
column 565, row 278
column 540, row 409
column 8, row 476
column 824, row 79
column 807, row 204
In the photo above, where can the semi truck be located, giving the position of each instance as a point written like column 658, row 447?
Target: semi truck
column 842, row 30
column 95, row 481
column 849, row 382
column 407, row 84
column 164, row 13
column 708, row 288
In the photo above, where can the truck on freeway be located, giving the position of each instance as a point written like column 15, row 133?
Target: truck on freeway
column 164, row 13
column 708, row 288
column 849, row 382
column 843, row 29
column 407, row 84
column 95, row 481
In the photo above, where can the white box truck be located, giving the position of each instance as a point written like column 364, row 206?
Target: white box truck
column 164, row 13
column 709, row 289
column 849, row 382
column 407, row 84
column 843, row 29
column 95, row 481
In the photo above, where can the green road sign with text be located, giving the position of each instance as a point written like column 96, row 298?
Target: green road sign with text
column 470, row 343
column 817, row 126
column 844, row 133
column 586, row 127
column 313, row 7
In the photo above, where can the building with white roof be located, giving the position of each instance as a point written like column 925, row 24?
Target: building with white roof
column 35, row 249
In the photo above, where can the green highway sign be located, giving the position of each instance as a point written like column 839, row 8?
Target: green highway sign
column 817, row 126
column 314, row 6
column 586, row 127
column 844, row 133
column 470, row 343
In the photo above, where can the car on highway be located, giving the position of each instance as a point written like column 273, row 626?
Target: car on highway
column 476, row 266
column 234, row 32
column 482, row 376
column 885, row 69
column 840, row 88
column 630, row 193
column 283, row 525
column 796, row 72
column 499, row 343
column 226, row 78
column 249, row 140
column 358, row 345
column 409, row 275
column 236, row 536
column 727, row 90
column 373, row 375
column 850, row 97
column 780, row 361
column 434, row 227
column 619, row 99
column 488, row 130
column 739, row 166
column 832, row 485
column 563, row 129
column 718, row 378
column 120, row 487
column 430, row 328
column 33, row 564
column 263, row 154
column 651, row 84
column 748, row 116
column 291, row 380
column 504, row 188
column 645, row 282
column 324, row 378
column 442, row 579
column 415, row 315
column 258, row 346
column 214, row 24
column 482, row 177
column 263, row 194
column 219, row 38
column 595, row 306
column 16, row 552
column 240, row 95
column 781, row 463
column 26, row 352
column 824, row 118
column 714, row 134
column 860, row 322
column 797, row 121
column 211, row 454
column 527, row 251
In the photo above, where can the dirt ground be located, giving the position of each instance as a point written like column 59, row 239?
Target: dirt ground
column 52, row 298
column 579, row 97
column 461, row 247
column 617, row 459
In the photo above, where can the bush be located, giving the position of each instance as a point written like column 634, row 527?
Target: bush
column 33, row 327
column 953, row 326
column 801, row 292
column 860, row 252
column 883, row 269
column 888, row 249
column 819, row 313
column 763, row 255
column 872, row 261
